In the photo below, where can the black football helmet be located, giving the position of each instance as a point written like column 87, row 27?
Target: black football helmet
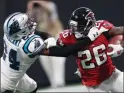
column 81, row 20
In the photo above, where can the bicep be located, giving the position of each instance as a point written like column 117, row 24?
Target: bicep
column 116, row 31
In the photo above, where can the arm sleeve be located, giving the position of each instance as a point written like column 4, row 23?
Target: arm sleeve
column 65, row 51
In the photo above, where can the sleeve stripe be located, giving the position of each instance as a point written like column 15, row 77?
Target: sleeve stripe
column 26, row 45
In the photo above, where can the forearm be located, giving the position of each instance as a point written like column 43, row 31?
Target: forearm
column 65, row 51
column 122, row 43
column 117, row 31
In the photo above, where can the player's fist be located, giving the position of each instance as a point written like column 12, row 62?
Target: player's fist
column 50, row 42
column 115, row 50
column 94, row 33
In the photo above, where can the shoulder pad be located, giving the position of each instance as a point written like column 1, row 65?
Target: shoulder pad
column 103, row 25
column 32, row 44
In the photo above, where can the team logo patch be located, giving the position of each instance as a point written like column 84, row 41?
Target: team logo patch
column 37, row 43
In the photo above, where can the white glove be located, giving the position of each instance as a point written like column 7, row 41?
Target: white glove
column 94, row 33
column 117, row 50
column 50, row 42
column 78, row 73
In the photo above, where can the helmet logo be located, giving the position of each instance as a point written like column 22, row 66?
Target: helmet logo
column 89, row 15
column 14, row 28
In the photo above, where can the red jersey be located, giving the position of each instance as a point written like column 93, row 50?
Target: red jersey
column 93, row 62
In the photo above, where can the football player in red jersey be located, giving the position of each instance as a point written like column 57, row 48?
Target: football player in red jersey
column 96, row 68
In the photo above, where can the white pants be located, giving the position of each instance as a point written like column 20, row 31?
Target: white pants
column 26, row 84
column 113, row 84
column 55, row 69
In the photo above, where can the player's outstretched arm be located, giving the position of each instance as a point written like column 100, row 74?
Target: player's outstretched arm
column 49, row 48
column 68, row 50
column 65, row 51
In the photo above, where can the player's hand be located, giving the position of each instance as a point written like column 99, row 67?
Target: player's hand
column 50, row 42
column 116, row 50
column 94, row 33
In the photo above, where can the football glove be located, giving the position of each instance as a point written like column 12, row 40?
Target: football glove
column 50, row 42
column 117, row 50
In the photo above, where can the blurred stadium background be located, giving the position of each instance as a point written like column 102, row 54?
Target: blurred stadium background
column 111, row 10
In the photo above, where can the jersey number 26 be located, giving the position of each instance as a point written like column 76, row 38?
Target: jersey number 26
column 100, row 58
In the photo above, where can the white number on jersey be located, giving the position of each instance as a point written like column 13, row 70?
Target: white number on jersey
column 97, row 56
column 66, row 33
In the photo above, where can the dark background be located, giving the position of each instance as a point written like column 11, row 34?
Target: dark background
column 111, row 10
